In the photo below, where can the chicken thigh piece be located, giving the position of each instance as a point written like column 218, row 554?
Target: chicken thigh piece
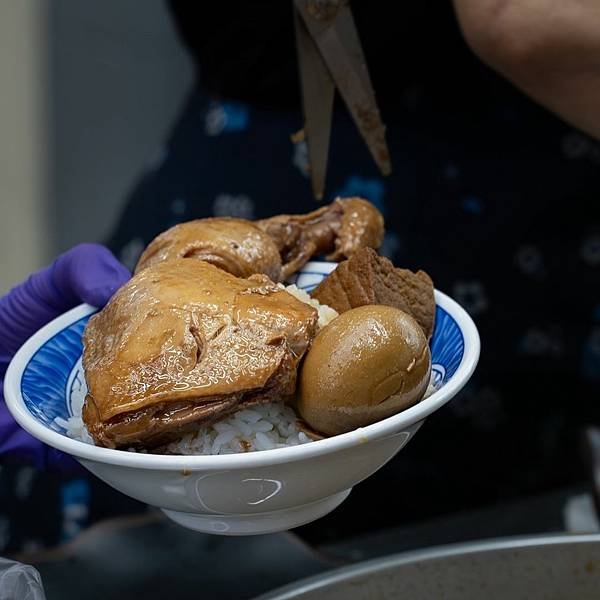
column 234, row 245
column 337, row 230
column 185, row 344
column 278, row 246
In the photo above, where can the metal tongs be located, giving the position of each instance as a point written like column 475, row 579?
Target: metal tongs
column 330, row 55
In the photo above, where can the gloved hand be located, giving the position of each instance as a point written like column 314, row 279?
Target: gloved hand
column 86, row 273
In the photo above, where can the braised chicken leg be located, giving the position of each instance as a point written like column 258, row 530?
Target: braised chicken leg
column 234, row 245
column 185, row 344
column 278, row 246
column 337, row 230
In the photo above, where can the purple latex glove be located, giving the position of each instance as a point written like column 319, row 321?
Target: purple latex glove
column 86, row 273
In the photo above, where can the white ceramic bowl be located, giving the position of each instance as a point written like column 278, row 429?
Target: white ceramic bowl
column 236, row 494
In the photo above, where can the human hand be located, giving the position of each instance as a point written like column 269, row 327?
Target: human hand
column 86, row 273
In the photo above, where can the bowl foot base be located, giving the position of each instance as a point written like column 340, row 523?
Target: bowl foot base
column 270, row 522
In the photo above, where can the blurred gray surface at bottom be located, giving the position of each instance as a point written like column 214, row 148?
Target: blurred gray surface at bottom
column 547, row 567
column 151, row 557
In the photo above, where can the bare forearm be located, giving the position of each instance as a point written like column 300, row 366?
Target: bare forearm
column 550, row 49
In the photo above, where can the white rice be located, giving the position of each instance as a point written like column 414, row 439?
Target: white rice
column 262, row 427
column 74, row 425
column 326, row 313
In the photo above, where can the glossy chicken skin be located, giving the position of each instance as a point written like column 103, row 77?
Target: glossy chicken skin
column 278, row 246
column 185, row 344
column 234, row 245
column 337, row 230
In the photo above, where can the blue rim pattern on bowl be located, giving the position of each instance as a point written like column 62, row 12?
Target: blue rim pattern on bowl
column 44, row 381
